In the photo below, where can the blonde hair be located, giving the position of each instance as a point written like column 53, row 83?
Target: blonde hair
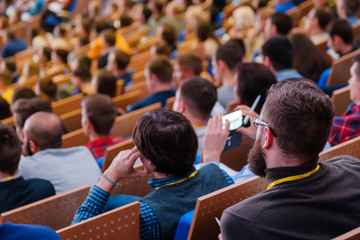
column 244, row 17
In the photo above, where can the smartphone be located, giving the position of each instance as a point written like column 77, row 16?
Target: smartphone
column 235, row 118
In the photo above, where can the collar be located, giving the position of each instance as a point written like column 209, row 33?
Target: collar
column 353, row 109
column 10, row 178
column 101, row 141
column 285, row 72
column 159, row 182
column 273, row 174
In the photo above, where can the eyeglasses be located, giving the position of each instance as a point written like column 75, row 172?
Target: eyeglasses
column 258, row 122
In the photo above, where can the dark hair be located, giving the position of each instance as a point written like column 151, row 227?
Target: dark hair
column 168, row 34
column 356, row 59
column 324, row 17
column 280, row 52
column 6, row 78
column 47, row 52
column 254, row 79
column 199, row 95
column 308, row 60
column 168, row 140
column 239, row 42
column 351, row 7
column 106, row 83
column 62, row 31
column 162, row 69
column 4, row 109
column 101, row 112
column 125, row 20
column 101, row 25
column 10, row 35
column 10, row 148
column 191, row 61
column 162, row 48
column 84, row 40
column 62, row 54
column 109, row 37
column 84, row 61
column 146, row 12
column 10, row 65
column 230, row 53
column 282, row 22
column 22, row 92
column 83, row 74
column 24, row 108
column 299, row 108
column 204, row 31
column 122, row 59
column 48, row 87
column 342, row 29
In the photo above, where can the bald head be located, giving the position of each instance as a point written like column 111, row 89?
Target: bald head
column 44, row 129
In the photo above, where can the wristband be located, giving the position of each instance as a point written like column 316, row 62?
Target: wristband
column 106, row 177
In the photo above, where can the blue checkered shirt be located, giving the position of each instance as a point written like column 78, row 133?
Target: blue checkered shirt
column 149, row 224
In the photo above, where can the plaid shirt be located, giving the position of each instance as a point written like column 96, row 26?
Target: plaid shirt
column 149, row 224
column 98, row 146
column 346, row 127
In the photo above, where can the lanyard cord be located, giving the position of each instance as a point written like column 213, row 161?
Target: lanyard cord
column 293, row 178
column 181, row 180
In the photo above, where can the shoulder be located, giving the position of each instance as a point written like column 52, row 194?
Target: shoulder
column 12, row 231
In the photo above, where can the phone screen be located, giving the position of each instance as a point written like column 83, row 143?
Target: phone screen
column 235, row 118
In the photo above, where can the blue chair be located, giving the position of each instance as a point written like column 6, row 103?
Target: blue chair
column 181, row 36
column 324, row 78
column 54, row 20
column 183, row 228
column 219, row 18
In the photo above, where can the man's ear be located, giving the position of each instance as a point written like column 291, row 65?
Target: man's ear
column 267, row 62
column 221, row 65
column 33, row 147
column 182, row 106
column 338, row 40
column 148, row 165
column 269, row 138
column 273, row 30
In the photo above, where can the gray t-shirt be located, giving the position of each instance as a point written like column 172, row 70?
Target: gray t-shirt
column 65, row 168
column 225, row 94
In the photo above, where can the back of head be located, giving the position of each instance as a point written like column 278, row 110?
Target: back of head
column 191, row 62
column 125, row 20
column 301, row 115
column 254, row 79
column 239, row 42
column 22, row 92
column 244, row 17
column 101, row 25
column 204, row 30
column 48, row 87
column 122, row 59
column 161, row 48
column 109, row 37
column 168, row 140
column 44, row 128
column 10, row 148
column 168, row 34
column 106, row 83
column 161, row 68
column 324, row 17
column 342, row 29
column 199, row 95
column 280, row 52
column 10, row 35
column 230, row 53
column 4, row 109
column 282, row 22
column 6, row 78
column 83, row 73
column 101, row 112
column 84, row 61
column 351, row 7
column 63, row 55
column 24, row 108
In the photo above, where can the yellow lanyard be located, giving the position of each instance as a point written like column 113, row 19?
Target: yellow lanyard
column 198, row 126
column 181, row 180
column 293, row 178
column 8, row 179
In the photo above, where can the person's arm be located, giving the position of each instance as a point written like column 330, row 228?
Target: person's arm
column 121, row 167
column 215, row 139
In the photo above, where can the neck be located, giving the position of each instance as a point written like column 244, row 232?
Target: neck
column 85, row 85
column 195, row 121
column 346, row 49
column 275, row 159
column 120, row 72
column 160, row 175
column 94, row 136
column 315, row 31
column 228, row 78
column 6, row 175
column 161, row 87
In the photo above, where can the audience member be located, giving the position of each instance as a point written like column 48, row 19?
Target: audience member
column 316, row 23
column 244, row 19
column 346, row 127
column 167, row 33
column 224, row 63
column 347, row 10
column 166, row 144
column 278, row 53
column 308, row 60
column 290, row 165
column 160, row 49
column 117, row 63
column 98, row 117
column 10, row 68
column 195, row 99
column 30, row 69
column 174, row 17
column 341, row 39
column 81, row 80
column 4, row 109
column 65, row 168
column 108, row 39
column 12, row 45
column 158, row 74
column 104, row 82
column 22, row 92
column 80, row 61
column 46, row 89
column 251, row 80
column 6, row 90
column 278, row 24
column 59, row 39
column 205, row 35
column 14, row 190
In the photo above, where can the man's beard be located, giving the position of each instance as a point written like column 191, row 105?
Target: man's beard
column 256, row 159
